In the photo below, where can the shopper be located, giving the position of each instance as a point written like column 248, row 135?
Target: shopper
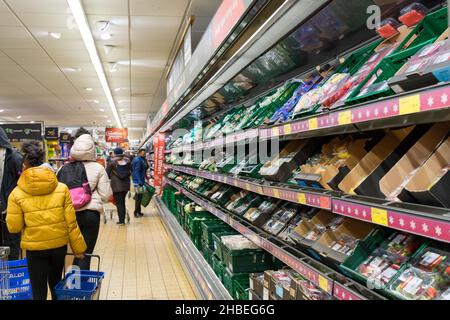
column 119, row 171
column 42, row 208
column 88, row 217
column 10, row 169
column 109, row 158
column 139, row 167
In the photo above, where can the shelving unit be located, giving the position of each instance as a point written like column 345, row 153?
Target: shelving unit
column 426, row 221
column 317, row 273
column 206, row 282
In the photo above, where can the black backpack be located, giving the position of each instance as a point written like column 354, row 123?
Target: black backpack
column 74, row 176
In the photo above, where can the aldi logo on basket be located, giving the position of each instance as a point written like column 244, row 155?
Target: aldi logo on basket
column 116, row 135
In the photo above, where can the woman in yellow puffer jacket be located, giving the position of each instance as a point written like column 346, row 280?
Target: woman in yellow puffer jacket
column 42, row 209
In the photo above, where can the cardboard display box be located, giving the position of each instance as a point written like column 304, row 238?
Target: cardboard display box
column 278, row 284
column 431, row 182
column 298, row 151
column 392, row 184
column 253, row 296
column 322, row 218
column 373, row 160
column 257, row 283
column 370, row 186
column 350, row 228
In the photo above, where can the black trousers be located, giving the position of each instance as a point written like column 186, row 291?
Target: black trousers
column 44, row 267
column 89, row 223
column 11, row 240
column 120, row 198
column 138, row 203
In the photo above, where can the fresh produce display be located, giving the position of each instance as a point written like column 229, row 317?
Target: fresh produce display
column 427, row 277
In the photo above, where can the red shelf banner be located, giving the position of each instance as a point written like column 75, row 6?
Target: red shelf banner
column 159, row 145
column 116, row 135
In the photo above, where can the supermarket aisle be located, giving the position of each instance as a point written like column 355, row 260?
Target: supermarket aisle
column 140, row 261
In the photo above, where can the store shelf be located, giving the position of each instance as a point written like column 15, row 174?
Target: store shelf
column 426, row 221
column 206, row 282
column 421, row 106
column 319, row 274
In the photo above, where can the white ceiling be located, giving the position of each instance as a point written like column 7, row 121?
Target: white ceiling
column 44, row 79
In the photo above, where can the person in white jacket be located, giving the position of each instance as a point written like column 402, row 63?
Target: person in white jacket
column 88, row 217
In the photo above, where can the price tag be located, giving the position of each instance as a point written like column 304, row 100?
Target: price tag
column 301, row 198
column 276, row 193
column 312, row 124
column 275, row 132
column 323, row 283
column 287, row 128
column 325, row 202
column 260, row 190
column 379, row 216
column 345, row 117
column 247, row 186
column 409, row 104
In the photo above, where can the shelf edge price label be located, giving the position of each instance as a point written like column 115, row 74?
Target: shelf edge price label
column 260, row 190
column 313, row 124
column 301, row 198
column 379, row 216
column 409, row 104
column 287, row 128
column 323, row 283
column 345, row 117
column 275, row 132
column 247, row 186
column 276, row 193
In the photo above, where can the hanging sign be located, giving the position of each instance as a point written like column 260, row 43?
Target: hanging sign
column 23, row 131
column 116, row 135
column 159, row 144
column 65, row 137
column 51, row 133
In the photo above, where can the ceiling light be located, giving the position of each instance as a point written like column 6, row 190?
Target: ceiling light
column 105, row 116
column 88, row 89
column 105, row 36
column 71, row 69
column 102, row 110
column 117, row 89
column 109, row 121
column 19, row 117
column 31, row 121
column 103, row 25
column 96, row 101
column 2, row 110
column 108, row 48
column 80, row 18
column 55, row 35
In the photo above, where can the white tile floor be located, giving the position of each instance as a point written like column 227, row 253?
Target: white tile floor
column 140, row 260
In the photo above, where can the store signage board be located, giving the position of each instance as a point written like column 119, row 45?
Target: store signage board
column 23, row 131
column 116, row 135
column 51, row 133
column 65, row 137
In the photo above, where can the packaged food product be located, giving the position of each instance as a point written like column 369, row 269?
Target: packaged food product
column 308, row 100
column 345, row 244
column 238, row 242
column 413, row 14
column 388, row 28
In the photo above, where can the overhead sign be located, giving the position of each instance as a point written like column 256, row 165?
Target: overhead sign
column 159, row 144
column 116, row 135
column 65, row 137
column 51, row 133
column 23, row 131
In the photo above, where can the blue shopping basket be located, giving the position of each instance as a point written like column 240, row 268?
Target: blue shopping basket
column 19, row 281
column 80, row 284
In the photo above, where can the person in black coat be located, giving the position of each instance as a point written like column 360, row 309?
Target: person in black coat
column 119, row 171
column 11, row 164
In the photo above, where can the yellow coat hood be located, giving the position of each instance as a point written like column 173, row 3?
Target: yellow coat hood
column 38, row 181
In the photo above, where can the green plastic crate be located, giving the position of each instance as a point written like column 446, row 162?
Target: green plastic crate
column 385, row 70
column 210, row 227
column 246, row 260
column 241, row 291
column 218, row 267
column 194, row 219
column 430, row 28
column 235, row 283
column 358, row 58
column 217, row 241
column 208, row 252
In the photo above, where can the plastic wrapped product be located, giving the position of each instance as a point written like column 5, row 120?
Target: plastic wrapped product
column 413, row 14
column 238, row 242
column 388, row 28
column 308, row 100
column 345, row 244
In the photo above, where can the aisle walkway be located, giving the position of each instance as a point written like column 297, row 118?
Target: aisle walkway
column 140, row 261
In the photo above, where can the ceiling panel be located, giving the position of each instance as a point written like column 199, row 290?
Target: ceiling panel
column 38, row 6
column 172, row 8
column 106, row 7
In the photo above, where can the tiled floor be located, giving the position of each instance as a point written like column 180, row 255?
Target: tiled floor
column 140, row 260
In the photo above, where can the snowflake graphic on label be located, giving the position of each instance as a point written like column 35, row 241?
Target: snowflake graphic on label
column 438, row 230
column 425, row 227
column 412, row 225
column 444, row 98
column 430, row 101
